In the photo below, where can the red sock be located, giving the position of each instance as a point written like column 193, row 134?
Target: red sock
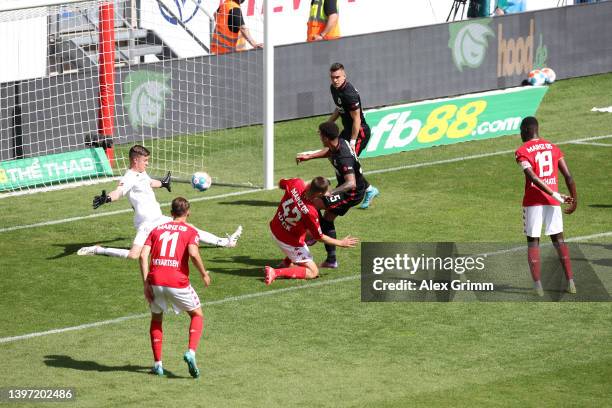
column 157, row 334
column 564, row 257
column 195, row 331
column 533, row 257
column 295, row 272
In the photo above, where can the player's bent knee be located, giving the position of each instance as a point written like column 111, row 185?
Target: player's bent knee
column 196, row 312
column 557, row 238
column 312, row 270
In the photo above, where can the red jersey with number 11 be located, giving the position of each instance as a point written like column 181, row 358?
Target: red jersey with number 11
column 543, row 157
column 295, row 215
column 169, row 264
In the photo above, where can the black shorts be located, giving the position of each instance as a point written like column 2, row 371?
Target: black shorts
column 340, row 203
column 362, row 138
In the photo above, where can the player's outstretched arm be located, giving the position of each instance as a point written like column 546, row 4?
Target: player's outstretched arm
column 194, row 254
column 571, row 187
column 164, row 182
column 346, row 242
column 319, row 154
column 107, row 198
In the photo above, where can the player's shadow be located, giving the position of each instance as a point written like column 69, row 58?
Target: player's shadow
column 255, row 267
column 62, row 361
column 71, row 249
column 607, row 261
column 252, row 203
column 600, row 205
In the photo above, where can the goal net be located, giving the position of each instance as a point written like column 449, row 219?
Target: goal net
column 83, row 81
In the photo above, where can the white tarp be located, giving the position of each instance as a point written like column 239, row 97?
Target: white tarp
column 23, row 42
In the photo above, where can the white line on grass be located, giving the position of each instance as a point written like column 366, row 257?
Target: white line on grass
column 241, row 298
column 594, row 144
column 210, row 303
column 107, row 213
column 220, row 196
column 476, row 156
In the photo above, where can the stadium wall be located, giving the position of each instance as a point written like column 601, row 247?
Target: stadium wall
column 441, row 60
column 387, row 67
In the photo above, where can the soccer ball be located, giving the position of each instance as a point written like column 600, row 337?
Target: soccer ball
column 201, row 181
column 550, row 75
column 536, row 77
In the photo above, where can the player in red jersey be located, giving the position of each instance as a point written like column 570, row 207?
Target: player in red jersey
column 166, row 280
column 540, row 161
column 296, row 215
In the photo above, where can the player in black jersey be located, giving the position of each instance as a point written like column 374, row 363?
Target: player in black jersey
column 351, row 188
column 348, row 107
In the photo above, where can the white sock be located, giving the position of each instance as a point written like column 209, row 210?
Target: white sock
column 192, row 352
column 208, row 238
column 116, row 252
column 369, row 188
column 158, row 364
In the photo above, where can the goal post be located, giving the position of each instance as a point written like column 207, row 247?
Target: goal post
column 269, row 181
column 81, row 77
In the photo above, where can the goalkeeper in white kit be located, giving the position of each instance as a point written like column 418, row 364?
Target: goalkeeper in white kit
column 138, row 187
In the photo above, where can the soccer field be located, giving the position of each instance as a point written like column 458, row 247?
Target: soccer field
column 82, row 322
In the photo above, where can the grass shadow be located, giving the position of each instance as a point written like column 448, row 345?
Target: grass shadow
column 63, row 361
column 255, row 267
column 600, row 205
column 71, row 249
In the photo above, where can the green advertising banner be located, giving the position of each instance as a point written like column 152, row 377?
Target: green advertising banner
column 448, row 121
column 54, row 168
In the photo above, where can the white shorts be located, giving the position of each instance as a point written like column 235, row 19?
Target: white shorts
column 181, row 299
column 534, row 216
column 145, row 229
column 300, row 254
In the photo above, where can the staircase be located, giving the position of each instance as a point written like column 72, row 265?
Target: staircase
column 78, row 50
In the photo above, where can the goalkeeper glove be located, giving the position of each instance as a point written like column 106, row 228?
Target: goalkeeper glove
column 101, row 199
column 165, row 182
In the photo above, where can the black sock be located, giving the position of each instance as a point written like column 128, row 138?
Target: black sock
column 329, row 229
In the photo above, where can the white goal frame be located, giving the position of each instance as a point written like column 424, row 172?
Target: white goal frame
column 267, row 87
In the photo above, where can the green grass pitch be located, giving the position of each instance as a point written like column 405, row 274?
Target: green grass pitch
column 314, row 343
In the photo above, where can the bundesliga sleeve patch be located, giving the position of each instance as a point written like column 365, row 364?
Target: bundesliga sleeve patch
column 525, row 165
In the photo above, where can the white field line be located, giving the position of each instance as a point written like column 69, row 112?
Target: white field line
column 476, row 156
column 107, row 213
column 66, row 186
column 594, row 144
column 211, row 303
column 245, row 297
column 221, row 196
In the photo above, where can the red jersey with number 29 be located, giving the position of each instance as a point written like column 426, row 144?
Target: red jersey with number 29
column 169, row 265
column 295, row 215
column 543, row 157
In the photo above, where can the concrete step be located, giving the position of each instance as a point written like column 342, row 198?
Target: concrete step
column 89, row 38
